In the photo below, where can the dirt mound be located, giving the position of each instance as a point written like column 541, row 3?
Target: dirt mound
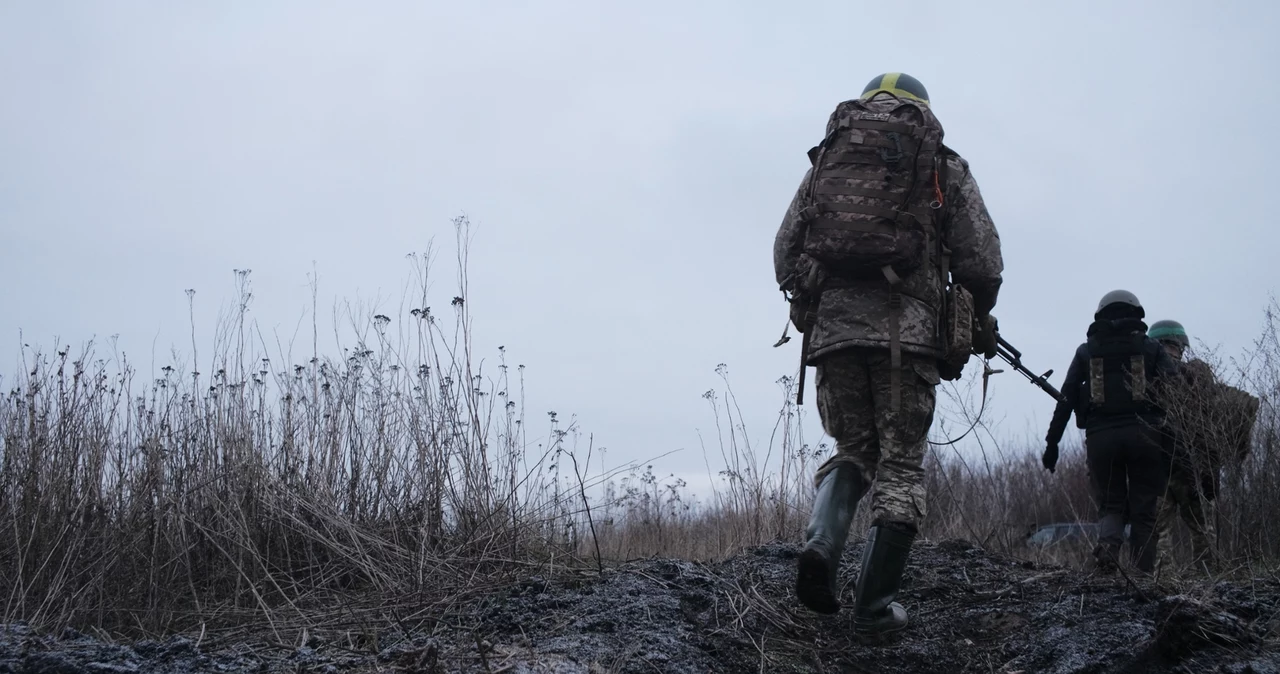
column 971, row 611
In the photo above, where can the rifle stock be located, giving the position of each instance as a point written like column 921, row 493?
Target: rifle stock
column 804, row 357
column 808, row 306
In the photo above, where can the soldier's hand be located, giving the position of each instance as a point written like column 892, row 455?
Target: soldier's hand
column 1050, row 457
column 984, row 336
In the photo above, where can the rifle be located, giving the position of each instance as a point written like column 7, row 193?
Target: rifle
column 1013, row 357
column 806, row 303
column 804, row 347
column 804, row 357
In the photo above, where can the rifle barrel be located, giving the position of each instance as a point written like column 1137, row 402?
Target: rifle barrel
column 1048, row 388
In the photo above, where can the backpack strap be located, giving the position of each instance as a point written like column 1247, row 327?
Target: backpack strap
column 895, row 337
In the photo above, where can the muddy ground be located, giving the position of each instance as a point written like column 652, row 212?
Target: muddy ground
column 971, row 611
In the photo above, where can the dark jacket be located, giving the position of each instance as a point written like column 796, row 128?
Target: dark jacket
column 1160, row 368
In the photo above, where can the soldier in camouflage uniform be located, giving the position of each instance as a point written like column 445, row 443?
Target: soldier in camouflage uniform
column 850, row 335
column 1193, row 473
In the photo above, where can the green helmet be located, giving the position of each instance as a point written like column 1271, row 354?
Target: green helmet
column 1123, row 297
column 901, row 85
column 1169, row 331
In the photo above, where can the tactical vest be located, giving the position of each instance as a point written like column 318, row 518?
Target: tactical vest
column 1120, row 372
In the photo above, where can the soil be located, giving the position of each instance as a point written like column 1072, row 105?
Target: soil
column 971, row 611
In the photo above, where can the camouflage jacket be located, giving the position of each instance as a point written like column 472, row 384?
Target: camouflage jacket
column 857, row 314
column 1212, row 421
column 1189, row 403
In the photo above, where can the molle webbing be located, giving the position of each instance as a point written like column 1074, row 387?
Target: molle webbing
column 845, row 190
column 880, row 174
column 863, row 209
column 859, row 226
column 842, row 153
column 889, row 127
column 853, row 159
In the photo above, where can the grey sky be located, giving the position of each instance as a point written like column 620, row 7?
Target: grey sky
column 625, row 168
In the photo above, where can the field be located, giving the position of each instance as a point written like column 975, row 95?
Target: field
column 318, row 513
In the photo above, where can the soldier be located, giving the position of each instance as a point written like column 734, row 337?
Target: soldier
column 1193, row 473
column 883, row 218
column 1112, row 387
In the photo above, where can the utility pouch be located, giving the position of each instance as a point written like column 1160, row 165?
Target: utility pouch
column 957, row 331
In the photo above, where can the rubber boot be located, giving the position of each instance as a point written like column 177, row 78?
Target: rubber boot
column 884, row 559
column 833, row 509
column 1106, row 559
column 1106, row 554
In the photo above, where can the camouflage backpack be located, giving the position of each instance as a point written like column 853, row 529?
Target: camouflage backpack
column 1214, row 419
column 1239, row 411
column 874, row 188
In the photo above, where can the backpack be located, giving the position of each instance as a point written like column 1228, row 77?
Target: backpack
column 874, row 188
column 1120, row 368
column 1213, row 422
column 1239, row 414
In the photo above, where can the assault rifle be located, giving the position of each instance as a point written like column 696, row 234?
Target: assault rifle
column 802, row 307
column 1010, row 355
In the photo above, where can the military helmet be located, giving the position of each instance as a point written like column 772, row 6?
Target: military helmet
column 1169, row 331
column 1121, row 297
column 898, row 84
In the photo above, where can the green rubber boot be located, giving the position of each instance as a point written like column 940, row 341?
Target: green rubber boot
column 884, row 559
column 833, row 509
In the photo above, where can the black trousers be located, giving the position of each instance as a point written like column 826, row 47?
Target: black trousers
column 1129, row 469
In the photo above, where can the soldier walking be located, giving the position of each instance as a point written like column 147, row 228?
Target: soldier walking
column 1113, row 387
column 893, row 267
column 1192, row 477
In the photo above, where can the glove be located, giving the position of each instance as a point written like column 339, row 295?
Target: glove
column 949, row 371
column 1050, row 457
column 984, row 336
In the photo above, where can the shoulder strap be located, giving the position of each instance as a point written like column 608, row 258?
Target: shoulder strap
column 941, row 176
column 895, row 337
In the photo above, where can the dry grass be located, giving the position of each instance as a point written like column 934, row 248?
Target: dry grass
column 293, row 492
column 276, row 488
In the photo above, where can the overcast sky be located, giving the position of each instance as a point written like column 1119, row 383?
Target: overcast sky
column 625, row 167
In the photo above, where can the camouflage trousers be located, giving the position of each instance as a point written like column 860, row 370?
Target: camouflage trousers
column 1182, row 498
column 886, row 446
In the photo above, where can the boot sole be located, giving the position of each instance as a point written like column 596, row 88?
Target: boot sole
column 872, row 634
column 811, row 583
column 881, row 635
